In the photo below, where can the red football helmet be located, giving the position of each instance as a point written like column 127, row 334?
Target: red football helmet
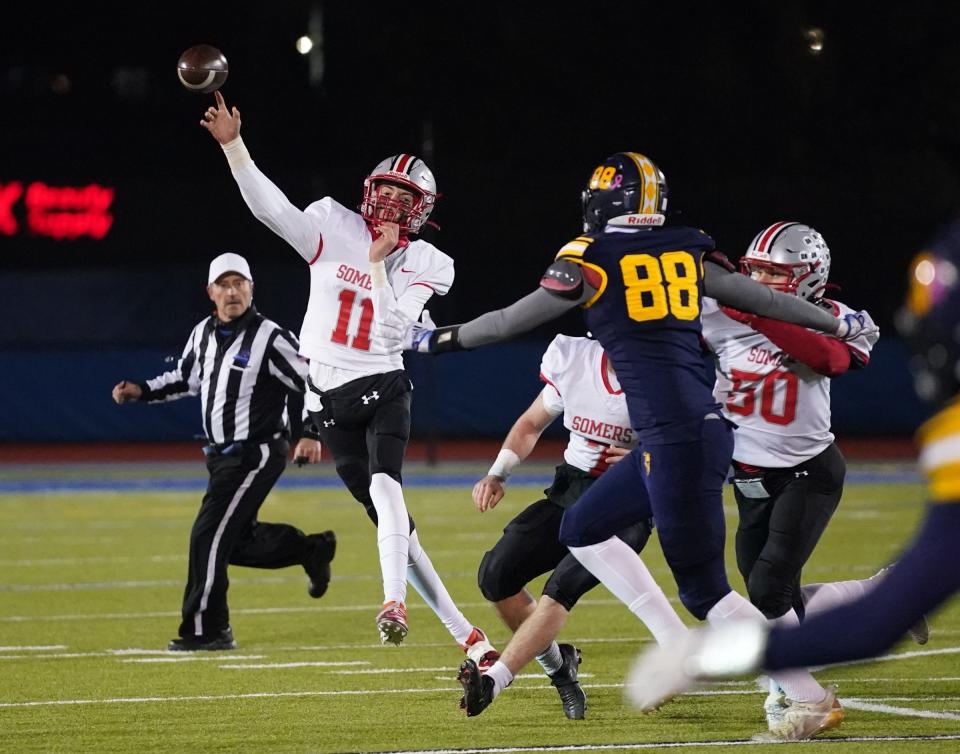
column 410, row 173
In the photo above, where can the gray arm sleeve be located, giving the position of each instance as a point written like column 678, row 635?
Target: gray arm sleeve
column 745, row 294
column 532, row 310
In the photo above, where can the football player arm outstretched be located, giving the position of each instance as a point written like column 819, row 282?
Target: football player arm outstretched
column 823, row 354
column 519, row 443
column 564, row 286
column 178, row 383
column 267, row 202
column 740, row 292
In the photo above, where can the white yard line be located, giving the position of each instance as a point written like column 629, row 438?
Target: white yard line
column 892, row 657
column 38, row 648
column 283, row 611
column 318, row 664
column 867, row 706
column 670, row 745
column 190, row 657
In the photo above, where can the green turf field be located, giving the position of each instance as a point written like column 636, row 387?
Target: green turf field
column 90, row 592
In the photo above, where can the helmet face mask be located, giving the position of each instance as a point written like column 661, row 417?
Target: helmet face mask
column 792, row 249
column 627, row 189
column 409, row 173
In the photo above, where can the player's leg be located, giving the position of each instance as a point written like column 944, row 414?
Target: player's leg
column 528, row 548
column 236, row 490
column 926, row 574
column 686, row 489
column 753, row 520
column 803, row 502
column 616, row 501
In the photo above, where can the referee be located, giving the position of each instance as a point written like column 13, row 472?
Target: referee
column 244, row 367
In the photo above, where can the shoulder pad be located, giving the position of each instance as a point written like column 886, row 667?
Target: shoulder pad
column 718, row 257
column 563, row 278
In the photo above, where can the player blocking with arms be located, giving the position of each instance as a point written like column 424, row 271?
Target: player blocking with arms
column 927, row 573
column 641, row 283
column 367, row 269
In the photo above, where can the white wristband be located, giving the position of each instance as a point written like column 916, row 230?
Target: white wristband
column 378, row 274
column 504, row 465
column 237, row 155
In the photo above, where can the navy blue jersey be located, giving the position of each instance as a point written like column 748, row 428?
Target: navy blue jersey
column 646, row 315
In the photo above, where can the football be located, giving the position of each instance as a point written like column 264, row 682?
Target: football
column 202, row 69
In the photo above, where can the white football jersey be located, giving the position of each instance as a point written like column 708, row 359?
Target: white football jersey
column 780, row 406
column 593, row 406
column 335, row 242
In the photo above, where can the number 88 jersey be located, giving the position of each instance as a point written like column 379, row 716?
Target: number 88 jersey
column 646, row 315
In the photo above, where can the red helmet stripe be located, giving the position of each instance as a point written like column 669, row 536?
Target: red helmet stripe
column 403, row 163
column 769, row 233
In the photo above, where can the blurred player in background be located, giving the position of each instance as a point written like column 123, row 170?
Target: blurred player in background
column 582, row 387
column 244, row 368
column 366, row 269
column 773, row 382
column 641, row 283
column 926, row 574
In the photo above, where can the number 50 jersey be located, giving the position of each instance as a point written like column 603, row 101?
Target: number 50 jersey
column 781, row 407
column 646, row 315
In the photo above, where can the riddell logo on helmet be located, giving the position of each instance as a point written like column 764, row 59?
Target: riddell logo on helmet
column 643, row 220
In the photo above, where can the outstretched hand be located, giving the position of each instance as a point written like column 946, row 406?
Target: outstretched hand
column 223, row 124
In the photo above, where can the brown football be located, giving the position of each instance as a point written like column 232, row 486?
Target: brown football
column 202, row 69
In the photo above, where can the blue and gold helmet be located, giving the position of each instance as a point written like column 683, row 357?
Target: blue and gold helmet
column 930, row 317
column 626, row 189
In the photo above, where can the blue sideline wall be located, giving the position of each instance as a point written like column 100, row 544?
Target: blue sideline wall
column 63, row 394
column 67, row 336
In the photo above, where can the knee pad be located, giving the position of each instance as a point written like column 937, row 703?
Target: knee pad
column 494, row 579
column 771, row 595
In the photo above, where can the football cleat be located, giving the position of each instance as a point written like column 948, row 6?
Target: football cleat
column 477, row 688
column 803, row 720
column 479, row 649
column 774, row 707
column 392, row 622
column 565, row 681
column 212, row 643
column 317, row 564
column 661, row 672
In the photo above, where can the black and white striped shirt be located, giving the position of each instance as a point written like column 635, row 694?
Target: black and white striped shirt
column 243, row 374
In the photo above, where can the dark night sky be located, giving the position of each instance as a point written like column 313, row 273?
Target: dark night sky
column 520, row 103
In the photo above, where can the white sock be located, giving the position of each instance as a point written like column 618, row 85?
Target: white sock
column 501, row 675
column 550, row 659
column 798, row 685
column 393, row 538
column 622, row 571
column 425, row 579
column 820, row 597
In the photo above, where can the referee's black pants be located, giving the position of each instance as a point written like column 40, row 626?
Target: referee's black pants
column 779, row 530
column 226, row 531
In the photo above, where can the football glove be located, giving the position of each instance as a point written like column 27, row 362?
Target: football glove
column 856, row 325
column 418, row 335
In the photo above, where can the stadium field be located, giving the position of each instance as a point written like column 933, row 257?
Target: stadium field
column 93, row 565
